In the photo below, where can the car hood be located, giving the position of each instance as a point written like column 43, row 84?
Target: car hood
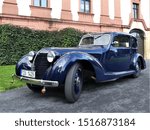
column 62, row 51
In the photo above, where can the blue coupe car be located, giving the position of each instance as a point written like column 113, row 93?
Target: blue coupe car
column 101, row 56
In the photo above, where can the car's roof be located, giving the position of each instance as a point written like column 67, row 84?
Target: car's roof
column 114, row 33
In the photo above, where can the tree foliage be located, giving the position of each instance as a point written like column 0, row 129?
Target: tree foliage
column 16, row 41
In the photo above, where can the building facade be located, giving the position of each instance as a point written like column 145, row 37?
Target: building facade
column 131, row 16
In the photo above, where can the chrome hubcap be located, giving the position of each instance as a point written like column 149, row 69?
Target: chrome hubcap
column 137, row 67
column 77, row 82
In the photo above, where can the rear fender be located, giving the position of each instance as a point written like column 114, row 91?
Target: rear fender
column 136, row 57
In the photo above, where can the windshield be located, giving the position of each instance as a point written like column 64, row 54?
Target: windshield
column 102, row 39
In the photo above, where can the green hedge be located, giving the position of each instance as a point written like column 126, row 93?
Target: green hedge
column 16, row 41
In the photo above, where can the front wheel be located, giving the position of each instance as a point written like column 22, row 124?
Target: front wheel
column 74, row 83
column 137, row 69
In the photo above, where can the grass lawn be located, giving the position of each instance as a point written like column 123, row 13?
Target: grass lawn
column 6, row 81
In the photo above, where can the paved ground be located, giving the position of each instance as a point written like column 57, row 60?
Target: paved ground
column 124, row 95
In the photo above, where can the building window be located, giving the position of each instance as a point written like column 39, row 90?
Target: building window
column 41, row 3
column 135, row 10
column 85, row 6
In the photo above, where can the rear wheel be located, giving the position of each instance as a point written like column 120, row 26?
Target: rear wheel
column 34, row 88
column 137, row 69
column 73, row 83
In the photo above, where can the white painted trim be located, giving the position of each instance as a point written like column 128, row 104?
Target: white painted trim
column 96, row 11
column 145, row 11
column 111, row 7
column 24, row 7
column 125, row 11
column 1, row 5
column 137, row 25
column 56, row 6
column 75, row 9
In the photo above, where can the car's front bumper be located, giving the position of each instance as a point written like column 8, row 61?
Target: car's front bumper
column 40, row 82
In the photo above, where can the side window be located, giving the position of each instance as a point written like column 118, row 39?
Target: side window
column 133, row 42
column 121, row 41
column 87, row 41
column 103, row 39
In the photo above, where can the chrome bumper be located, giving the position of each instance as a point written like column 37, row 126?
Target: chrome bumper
column 45, row 83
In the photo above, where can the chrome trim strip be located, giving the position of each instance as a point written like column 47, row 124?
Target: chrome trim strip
column 40, row 82
column 120, row 73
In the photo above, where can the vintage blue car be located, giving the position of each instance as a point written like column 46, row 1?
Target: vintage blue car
column 101, row 56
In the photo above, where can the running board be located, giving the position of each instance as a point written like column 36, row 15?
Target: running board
column 120, row 73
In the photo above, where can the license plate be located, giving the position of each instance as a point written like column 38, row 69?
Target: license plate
column 28, row 73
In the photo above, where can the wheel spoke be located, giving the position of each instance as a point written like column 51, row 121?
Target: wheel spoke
column 77, row 81
column 73, row 86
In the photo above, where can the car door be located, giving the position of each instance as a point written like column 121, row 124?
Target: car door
column 118, row 57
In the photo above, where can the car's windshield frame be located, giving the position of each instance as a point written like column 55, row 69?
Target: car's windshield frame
column 95, row 37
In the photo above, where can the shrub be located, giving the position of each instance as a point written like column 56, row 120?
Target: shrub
column 16, row 41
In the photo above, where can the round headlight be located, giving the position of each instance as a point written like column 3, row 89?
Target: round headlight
column 51, row 56
column 31, row 55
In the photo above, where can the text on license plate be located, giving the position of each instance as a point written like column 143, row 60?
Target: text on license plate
column 28, row 73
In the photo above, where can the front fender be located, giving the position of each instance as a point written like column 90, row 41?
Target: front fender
column 23, row 63
column 135, row 58
column 64, row 63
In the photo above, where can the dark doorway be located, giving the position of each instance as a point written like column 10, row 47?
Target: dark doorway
column 139, row 34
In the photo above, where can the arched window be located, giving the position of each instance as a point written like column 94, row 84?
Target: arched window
column 41, row 3
column 85, row 6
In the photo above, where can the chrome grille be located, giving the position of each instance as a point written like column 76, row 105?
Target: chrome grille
column 41, row 65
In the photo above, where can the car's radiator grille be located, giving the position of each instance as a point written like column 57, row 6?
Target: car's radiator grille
column 41, row 65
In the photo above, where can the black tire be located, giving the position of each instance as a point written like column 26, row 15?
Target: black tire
column 34, row 88
column 74, row 83
column 137, row 69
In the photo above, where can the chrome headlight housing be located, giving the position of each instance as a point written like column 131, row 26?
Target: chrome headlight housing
column 51, row 56
column 31, row 55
